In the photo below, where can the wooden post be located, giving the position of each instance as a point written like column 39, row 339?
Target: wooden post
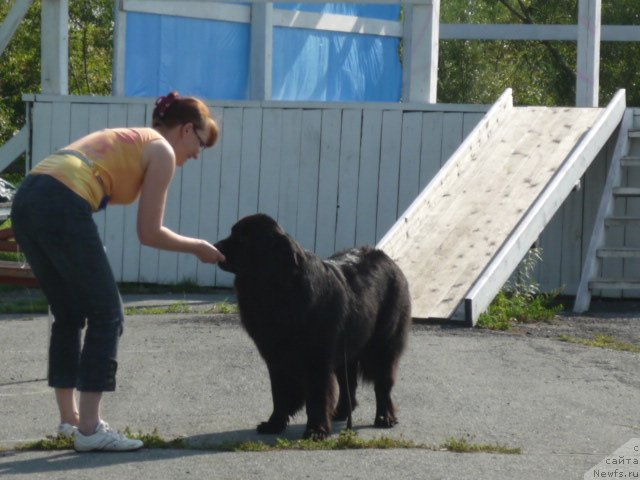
column 260, row 66
column 420, row 61
column 54, row 74
column 588, row 75
column 119, row 50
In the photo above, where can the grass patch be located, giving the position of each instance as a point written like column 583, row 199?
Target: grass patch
column 461, row 445
column 180, row 307
column 507, row 309
column 346, row 440
column 47, row 444
column 602, row 340
column 520, row 300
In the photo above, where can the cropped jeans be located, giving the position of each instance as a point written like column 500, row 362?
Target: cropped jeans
column 54, row 228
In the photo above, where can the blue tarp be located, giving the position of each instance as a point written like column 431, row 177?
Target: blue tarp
column 210, row 58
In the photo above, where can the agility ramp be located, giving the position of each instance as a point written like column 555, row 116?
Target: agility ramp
column 468, row 230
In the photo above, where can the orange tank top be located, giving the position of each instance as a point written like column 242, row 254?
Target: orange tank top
column 104, row 166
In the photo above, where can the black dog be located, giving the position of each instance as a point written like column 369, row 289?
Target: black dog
column 307, row 316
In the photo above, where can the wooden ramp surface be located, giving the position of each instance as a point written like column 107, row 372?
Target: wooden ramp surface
column 451, row 233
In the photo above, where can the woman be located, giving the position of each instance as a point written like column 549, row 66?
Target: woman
column 52, row 219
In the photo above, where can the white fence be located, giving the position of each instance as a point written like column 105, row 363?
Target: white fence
column 334, row 176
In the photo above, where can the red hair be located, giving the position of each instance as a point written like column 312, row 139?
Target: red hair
column 172, row 110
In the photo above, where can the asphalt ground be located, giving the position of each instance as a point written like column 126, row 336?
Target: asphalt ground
column 198, row 376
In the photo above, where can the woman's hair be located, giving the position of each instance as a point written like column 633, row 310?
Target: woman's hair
column 172, row 110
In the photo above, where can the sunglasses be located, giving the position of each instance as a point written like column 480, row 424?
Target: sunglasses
column 202, row 144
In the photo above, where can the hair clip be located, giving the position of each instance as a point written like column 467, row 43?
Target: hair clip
column 163, row 103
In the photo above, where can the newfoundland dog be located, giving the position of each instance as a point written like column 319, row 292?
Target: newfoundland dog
column 318, row 322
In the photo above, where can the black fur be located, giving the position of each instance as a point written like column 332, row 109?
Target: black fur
column 302, row 312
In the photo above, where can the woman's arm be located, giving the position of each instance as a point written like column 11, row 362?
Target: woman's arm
column 160, row 168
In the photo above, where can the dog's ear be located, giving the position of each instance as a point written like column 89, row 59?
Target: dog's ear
column 287, row 251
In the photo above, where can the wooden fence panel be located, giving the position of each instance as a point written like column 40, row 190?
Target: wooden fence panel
column 333, row 175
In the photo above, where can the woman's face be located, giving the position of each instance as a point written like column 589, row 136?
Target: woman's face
column 190, row 144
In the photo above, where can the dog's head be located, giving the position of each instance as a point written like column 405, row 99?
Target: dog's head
column 257, row 244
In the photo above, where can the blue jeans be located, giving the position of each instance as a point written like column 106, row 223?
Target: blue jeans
column 54, row 228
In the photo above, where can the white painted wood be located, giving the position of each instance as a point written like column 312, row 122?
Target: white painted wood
column 205, row 9
column 15, row 147
column 60, row 125
column 572, row 169
column 471, row 145
column 229, row 186
column 422, row 107
column 290, row 169
column 12, row 21
column 41, row 145
column 261, row 52
column 309, row 158
column 409, row 182
column 249, row 163
column 118, row 69
column 588, row 69
column 420, row 60
column 348, row 179
column 368, row 177
column 451, row 133
column 631, row 266
column 336, row 23
column 312, row 188
column 328, row 182
column 389, row 171
column 270, row 162
column 209, row 211
column 431, row 147
column 54, row 45
column 572, row 224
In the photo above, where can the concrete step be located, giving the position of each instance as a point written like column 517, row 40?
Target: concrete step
column 626, row 191
column 615, row 284
column 619, row 252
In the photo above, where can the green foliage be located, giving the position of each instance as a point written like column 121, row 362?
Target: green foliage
column 602, row 340
column 91, row 27
column 506, row 310
column 520, row 300
column 540, row 72
column 346, row 440
column 47, row 444
column 461, row 445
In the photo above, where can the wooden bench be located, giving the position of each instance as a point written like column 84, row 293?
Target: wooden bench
column 14, row 272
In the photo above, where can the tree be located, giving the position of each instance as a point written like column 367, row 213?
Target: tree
column 90, row 51
column 540, row 72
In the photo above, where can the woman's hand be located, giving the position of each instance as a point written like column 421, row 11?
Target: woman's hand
column 207, row 253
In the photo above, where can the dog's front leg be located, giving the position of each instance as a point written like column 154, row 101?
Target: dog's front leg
column 287, row 399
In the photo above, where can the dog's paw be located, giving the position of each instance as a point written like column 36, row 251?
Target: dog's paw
column 383, row 421
column 315, row 434
column 271, row 428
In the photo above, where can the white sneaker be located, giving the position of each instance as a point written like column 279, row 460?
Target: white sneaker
column 105, row 439
column 66, row 430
